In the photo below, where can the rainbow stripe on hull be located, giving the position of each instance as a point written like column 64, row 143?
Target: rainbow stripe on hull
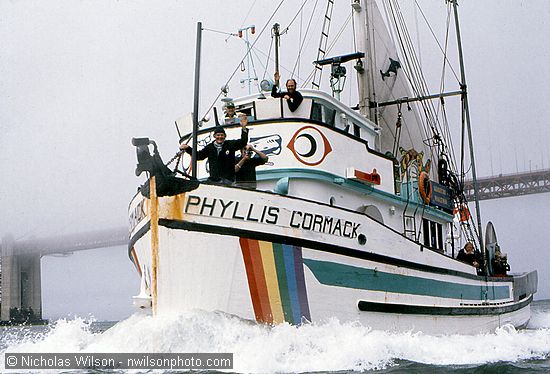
column 276, row 281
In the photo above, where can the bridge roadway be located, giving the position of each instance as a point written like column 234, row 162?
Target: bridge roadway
column 73, row 242
column 20, row 276
column 509, row 185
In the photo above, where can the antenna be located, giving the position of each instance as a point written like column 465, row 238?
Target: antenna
column 244, row 31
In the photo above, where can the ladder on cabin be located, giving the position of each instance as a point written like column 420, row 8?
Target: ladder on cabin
column 409, row 220
column 409, row 226
column 316, row 82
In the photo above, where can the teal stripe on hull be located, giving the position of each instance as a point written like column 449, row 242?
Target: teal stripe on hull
column 347, row 276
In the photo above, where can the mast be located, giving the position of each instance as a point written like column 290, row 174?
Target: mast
column 466, row 117
column 196, row 99
column 276, row 35
column 363, row 35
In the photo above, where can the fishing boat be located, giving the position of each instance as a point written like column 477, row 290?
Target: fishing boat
column 358, row 215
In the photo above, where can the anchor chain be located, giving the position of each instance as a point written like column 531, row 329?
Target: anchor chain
column 176, row 156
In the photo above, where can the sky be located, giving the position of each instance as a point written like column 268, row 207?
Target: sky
column 79, row 79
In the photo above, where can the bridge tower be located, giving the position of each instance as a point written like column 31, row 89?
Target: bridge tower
column 20, row 285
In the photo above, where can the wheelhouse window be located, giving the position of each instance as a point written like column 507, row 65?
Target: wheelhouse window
column 322, row 113
column 432, row 234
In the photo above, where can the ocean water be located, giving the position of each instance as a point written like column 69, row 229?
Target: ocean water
column 331, row 347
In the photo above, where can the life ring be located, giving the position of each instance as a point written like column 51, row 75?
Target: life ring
column 425, row 187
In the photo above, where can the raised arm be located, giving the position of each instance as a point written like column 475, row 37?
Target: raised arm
column 275, row 88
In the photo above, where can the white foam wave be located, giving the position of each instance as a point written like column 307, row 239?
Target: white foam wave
column 331, row 346
column 539, row 320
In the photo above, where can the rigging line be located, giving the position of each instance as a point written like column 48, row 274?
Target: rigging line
column 392, row 32
column 308, row 78
column 447, row 135
column 267, row 59
column 429, row 108
column 280, row 65
column 242, row 60
column 408, row 70
column 293, row 19
column 416, row 70
column 220, row 32
column 449, row 142
column 259, row 60
column 409, row 65
column 443, row 69
column 247, row 14
column 307, row 32
column 408, row 74
column 300, row 41
column 329, row 48
column 312, row 73
column 339, row 33
column 409, row 46
column 418, row 82
column 254, row 70
column 436, row 40
column 417, row 36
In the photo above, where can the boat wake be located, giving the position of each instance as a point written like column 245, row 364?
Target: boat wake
column 331, row 346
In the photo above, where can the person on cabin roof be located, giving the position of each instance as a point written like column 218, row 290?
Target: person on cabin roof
column 221, row 154
column 468, row 255
column 292, row 97
column 230, row 116
column 245, row 166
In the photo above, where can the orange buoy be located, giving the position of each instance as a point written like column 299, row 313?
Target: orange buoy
column 463, row 212
column 425, row 187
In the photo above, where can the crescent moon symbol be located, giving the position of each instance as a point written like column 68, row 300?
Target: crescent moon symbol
column 313, row 145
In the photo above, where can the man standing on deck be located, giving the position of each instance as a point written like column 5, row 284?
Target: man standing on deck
column 221, row 154
column 292, row 97
column 229, row 113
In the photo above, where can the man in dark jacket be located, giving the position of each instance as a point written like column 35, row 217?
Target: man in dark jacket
column 221, row 154
column 469, row 255
column 292, row 97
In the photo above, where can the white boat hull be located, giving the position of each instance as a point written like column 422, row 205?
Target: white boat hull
column 256, row 257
